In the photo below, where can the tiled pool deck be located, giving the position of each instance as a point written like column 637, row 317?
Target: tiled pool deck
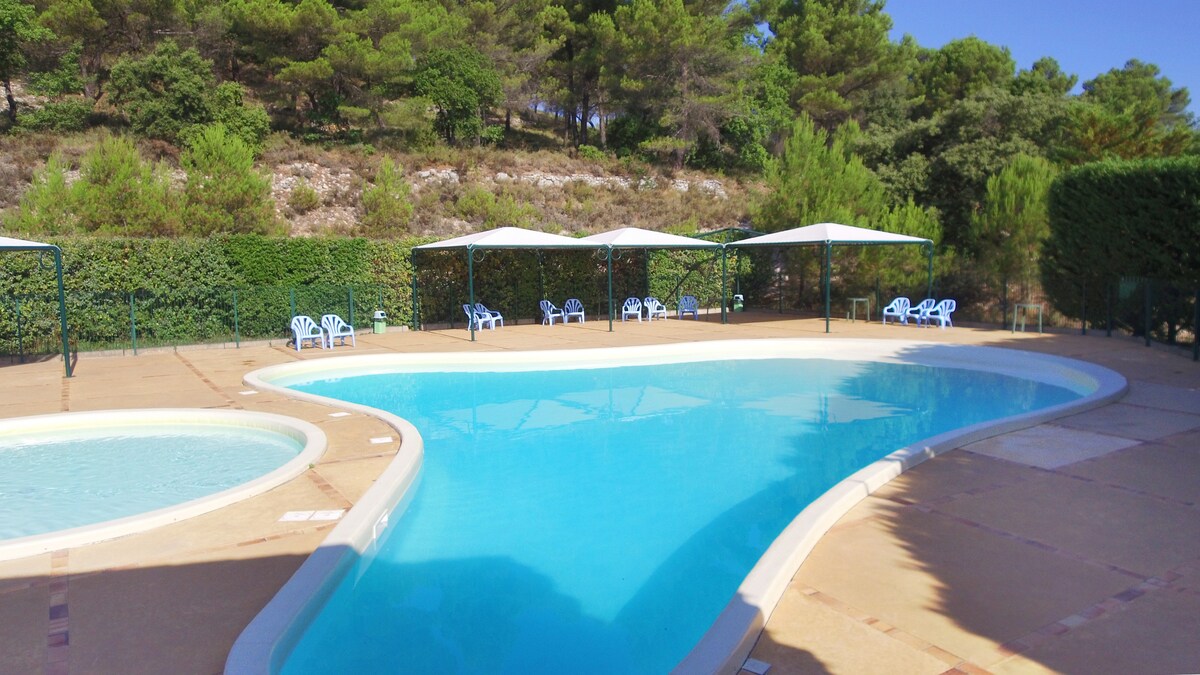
column 1069, row 547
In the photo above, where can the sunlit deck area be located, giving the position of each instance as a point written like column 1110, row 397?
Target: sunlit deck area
column 1072, row 546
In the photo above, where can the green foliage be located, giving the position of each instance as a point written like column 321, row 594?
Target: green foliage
column 1009, row 230
column 61, row 116
column 169, row 93
column 18, row 29
column 591, row 152
column 224, row 192
column 303, row 199
column 1140, row 88
column 462, row 85
column 1121, row 218
column 61, row 80
column 958, row 70
column 490, row 210
column 1045, row 77
column 387, row 207
column 120, row 194
column 45, row 208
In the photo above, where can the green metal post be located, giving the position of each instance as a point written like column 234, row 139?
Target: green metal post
column 62, row 310
column 1196, row 329
column 350, row 299
column 724, row 289
column 471, row 290
column 929, row 286
column 828, row 258
column 237, row 336
column 132, row 325
column 1108, row 288
column 292, row 301
column 1146, row 313
column 1083, row 309
column 610, row 295
column 416, row 322
column 646, row 269
column 20, row 343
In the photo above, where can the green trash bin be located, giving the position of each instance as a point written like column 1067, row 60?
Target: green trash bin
column 738, row 303
column 380, row 322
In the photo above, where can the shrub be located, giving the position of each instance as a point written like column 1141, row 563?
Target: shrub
column 119, row 193
column 303, row 199
column 224, row 193
column 45, row 207
column 63, row 116
column 386, row 204
column 591, row 152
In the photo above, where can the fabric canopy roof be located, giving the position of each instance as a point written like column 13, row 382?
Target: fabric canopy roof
column 828, row 233
column 12, row 244
column 509, row 237
column 24, row 245
column 636, row 237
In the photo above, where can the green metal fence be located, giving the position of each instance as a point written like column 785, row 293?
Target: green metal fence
column 142, row 319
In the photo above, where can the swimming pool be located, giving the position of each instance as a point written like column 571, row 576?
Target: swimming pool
column 76, row 478
column 600, row 519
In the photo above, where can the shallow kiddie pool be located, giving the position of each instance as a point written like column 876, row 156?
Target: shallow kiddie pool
column 622, row 510
column 76, row 478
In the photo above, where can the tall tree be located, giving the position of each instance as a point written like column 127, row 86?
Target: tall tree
column 18, row 28
column 1009, row 229
column 1045, row 77
column 1140, row 88
column 840, row 51
column 958, row 70
column 678, row 69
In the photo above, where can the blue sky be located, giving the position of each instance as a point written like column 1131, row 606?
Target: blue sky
column 1086, row 37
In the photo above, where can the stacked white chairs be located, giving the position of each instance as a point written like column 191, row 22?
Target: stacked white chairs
column 917, row 311
column 478, row 321
column 480, row 309
column 941, row 313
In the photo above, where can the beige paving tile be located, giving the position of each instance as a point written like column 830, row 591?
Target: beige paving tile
column 1131, row 421
column 1157, row 633
column 957, row 587
column 952, row 473
column 1164, row 397
column 1156, row 468
column 807, row 636
column 1049, row 446
column 1103, row 524
column 24, row 624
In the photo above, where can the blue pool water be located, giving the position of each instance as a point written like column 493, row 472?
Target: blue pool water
column 598, row 521
column 57, row 480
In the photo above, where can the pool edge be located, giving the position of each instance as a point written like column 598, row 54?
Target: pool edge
column 729, row 640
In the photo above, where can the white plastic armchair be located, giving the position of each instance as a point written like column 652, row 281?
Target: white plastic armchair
column 941, row 313
column 688, row 304
column 305, row 329
column 654, row 308
column 477, row 321
column 572, row 308
column 480, row 309
column 897, row 309
column 550, row 312
column 335, row 328
column 632, row 307
column 918, row 311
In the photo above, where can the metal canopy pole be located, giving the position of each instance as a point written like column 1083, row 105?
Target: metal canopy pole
column 62, row 309
column 471, row 290
column 929, row 288
column 416, row 318
column 610, row 295
column 724, row 288
column 828, row 252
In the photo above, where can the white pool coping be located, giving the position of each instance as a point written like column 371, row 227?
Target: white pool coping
column 270, row 636
column 311, row 439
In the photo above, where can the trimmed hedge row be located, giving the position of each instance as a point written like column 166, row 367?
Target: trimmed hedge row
column 1117, row 219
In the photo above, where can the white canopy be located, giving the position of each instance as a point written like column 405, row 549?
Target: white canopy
column 828, row 233
column 24, row 244
column 509, row 237
column 636, row 237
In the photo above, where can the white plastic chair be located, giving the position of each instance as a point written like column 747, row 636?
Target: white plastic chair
column 334, row 327
column 572, row 307
column 941, row 313
column 304, row 328
column 918, row 311
column 654, row 308
column 478, row 321
column 485, row 311
column 632, row 307
column 688, row 304
column 550, row 312
column 897, row 309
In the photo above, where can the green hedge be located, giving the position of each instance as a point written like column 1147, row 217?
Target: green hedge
column 1118, row 219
